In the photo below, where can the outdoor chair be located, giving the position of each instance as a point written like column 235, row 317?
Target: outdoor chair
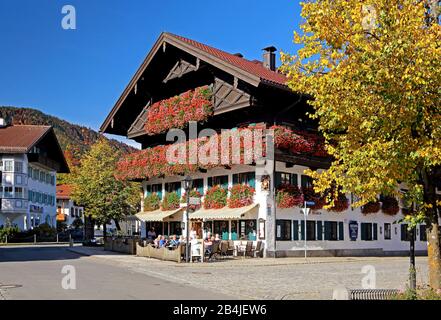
column 224, row 249
column 257, row 249
column 249, row 249
column 230, row 250
column 214, row 250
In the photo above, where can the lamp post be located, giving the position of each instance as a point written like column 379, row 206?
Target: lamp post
column 187, row 186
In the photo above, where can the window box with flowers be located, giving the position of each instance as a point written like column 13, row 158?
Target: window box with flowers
column 176, row 112
column 193, row 194
column 152, row 202
column 171, row 201
column 215, row 198
column 241, row 195
column 289, row 196
column 389, row 206
column 371, row 207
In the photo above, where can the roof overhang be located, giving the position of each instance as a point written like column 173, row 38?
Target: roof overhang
column 157, row 215
column 226, row 213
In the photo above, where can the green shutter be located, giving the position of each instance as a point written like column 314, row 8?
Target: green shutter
column 296, row 230
column 375, row 226
column 341, row 235
column 235, row 179
column 160, row 191
column 278, row 179
column 319, row 230
column 327, row 230
column 225, row 182
column 294, row 179
column 302, row 230
column 403, row 232
column 251, row 177
column 363, row 231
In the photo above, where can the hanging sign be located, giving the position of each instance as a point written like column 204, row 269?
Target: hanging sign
column 353, row 230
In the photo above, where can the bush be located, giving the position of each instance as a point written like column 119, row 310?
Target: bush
column 44, row 230
column 77, row 223
column 8, row 232
column 171, row 201
column 421, row 293
column 152, row 202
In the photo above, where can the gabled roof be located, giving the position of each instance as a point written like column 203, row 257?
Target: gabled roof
column 64, row 191
column 21, row 138
column 252, row 72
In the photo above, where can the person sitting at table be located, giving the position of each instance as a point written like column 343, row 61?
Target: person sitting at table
column 174, row 241
column 151, row 234
column 217, row 238
column 208, row 244
column 156, row 241
column 182, row 239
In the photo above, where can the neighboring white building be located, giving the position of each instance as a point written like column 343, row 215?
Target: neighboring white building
column 67, row 210
column 30, row 158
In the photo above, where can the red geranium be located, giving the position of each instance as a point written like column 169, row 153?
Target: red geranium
column 289, row 196
column 241, row 195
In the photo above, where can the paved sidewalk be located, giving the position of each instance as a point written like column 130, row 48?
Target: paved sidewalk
column 269, row 278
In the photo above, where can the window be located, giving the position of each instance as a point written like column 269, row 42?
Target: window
column 35, row 174
column 48, row 178
column 247, row 229
column 72, row 213
column 173, row 187
column 175, row 228
column 18, row 179
column 331, row 230
column 248, row 178
column 9, row 165
column 30, row 170
column 387, row 231
column 310, row 230
column 19, row 192
column 283, row 230
column 406, row 234
column 52, row 180
column 369, row 231
column 42, row 176
column 221, row 228
column 18, row 167
column 155, row 188
column 306, row 181
column 198, row 184
column 286, row 178
column 218, row 181
column 423, row 232
column 8, row 192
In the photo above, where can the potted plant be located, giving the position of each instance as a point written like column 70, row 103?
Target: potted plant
column 371, row 207
column 390, row 206
column 310, row 195
column 340, row 204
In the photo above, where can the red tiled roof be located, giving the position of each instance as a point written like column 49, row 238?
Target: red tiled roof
column 20, row 138
column 254, row 67
column 64, row 191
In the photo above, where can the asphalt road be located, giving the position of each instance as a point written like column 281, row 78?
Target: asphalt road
column 36, row 273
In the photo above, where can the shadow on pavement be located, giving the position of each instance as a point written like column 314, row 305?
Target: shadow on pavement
column 35, row 253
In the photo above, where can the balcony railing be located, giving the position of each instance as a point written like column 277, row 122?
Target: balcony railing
column 14, row 205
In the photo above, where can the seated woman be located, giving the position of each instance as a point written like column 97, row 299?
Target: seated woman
column 162, row 242
column 208, row 244
column 157, row 240
column 174, row 241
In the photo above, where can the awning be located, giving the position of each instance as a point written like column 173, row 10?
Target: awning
column 225, row 213
column 157, row 215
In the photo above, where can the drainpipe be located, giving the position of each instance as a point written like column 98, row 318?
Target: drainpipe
column 276, row 116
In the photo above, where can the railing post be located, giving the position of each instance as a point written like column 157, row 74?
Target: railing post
column 6, row 239
column 70, row 240
column 35, row 239
column 57, row 237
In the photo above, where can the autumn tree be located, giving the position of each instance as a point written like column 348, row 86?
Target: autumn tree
column 372, row 69
column 95, row 187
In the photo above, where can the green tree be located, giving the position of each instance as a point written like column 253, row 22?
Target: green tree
column 373, row 70
column 95, row 187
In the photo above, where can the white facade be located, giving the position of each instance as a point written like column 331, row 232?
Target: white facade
column 67, row 209
column 385, row 236
column 28, row 193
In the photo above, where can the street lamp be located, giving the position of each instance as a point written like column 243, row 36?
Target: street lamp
column 187, row 186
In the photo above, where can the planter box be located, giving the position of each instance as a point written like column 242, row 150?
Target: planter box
column 162, row 253
column 123, row 245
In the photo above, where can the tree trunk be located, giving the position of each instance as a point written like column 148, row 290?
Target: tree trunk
column 118, row 227
column 104, row 230
column 433, row 240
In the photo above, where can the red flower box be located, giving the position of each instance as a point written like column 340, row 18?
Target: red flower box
column 241, row 195
column 289, row 196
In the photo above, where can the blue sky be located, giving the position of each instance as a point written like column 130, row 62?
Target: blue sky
column 78, row 75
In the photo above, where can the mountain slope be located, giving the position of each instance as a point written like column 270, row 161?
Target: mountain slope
column 72, row 137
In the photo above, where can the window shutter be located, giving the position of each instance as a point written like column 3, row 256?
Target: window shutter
column 294, row 179
column 341, row 235
column 278, row 179
column 225, row 182
column 374, row 225
column 302, row 230
column 235, row 179
column 319, row 230
column 252, row 179
column 178, row 189
column 210, row 182
column 403, row 232
column 363, row 231
column 149, row 190
column 296, row 230
column 327, row 230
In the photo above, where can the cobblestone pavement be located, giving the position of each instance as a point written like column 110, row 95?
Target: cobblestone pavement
column 283, row 278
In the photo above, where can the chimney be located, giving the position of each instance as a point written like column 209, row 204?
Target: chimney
column 240, row 55
column 269, row 58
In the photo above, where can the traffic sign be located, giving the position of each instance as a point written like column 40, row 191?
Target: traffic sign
column 306, row 211
column 310, row 203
